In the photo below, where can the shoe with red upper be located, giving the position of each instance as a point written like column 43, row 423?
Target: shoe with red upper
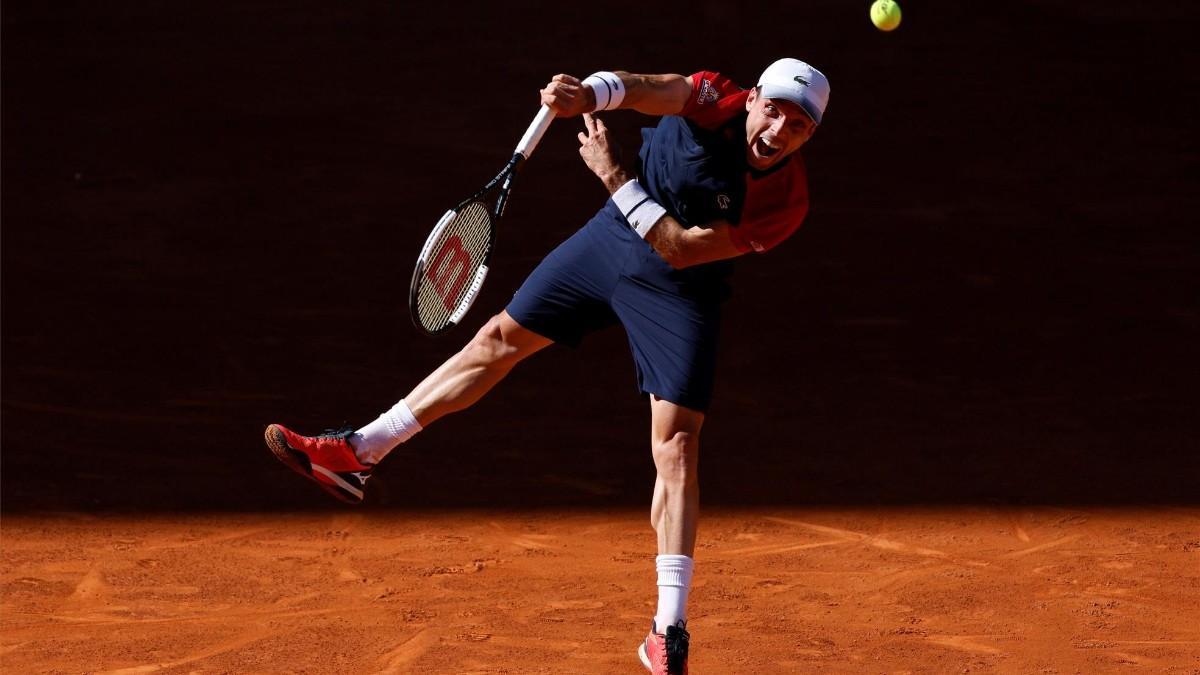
column 666, row 653
column 328, row 460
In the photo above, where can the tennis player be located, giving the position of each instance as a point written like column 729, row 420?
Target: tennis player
column 718, row 177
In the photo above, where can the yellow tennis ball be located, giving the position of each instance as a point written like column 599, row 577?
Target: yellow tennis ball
column 885, row 14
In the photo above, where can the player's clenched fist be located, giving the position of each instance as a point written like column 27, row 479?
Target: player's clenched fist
column 567, row 96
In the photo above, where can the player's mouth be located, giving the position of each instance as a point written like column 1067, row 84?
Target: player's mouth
column 766, row 147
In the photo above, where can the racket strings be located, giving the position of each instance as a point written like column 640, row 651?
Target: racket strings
column 469, row 232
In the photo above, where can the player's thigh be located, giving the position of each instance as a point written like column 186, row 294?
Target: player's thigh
column 675, row 446
column 669, row 420
column 674, row 343
column 566, row 295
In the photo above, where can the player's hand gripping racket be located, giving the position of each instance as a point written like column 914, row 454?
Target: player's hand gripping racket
column 454, row 260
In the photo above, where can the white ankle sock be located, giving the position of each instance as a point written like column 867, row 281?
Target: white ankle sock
column 674, row 581
column 373, row 442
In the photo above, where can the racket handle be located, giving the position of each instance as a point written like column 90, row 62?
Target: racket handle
column 535, row 131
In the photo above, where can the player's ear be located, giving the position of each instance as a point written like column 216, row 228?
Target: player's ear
column 751, row 98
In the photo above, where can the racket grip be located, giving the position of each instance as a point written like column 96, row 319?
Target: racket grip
column 535, row 131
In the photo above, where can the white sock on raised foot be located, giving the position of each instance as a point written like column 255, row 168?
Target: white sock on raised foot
column 373, row 442
column 674, row 582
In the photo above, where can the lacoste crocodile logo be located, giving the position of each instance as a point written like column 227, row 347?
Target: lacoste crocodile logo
column 803, row 82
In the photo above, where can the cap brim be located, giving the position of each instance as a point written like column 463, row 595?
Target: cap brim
column 790, row 94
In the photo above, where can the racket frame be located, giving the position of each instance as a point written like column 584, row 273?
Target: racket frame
column 504, row 180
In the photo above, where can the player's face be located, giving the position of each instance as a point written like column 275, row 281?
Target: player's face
column 774, row 129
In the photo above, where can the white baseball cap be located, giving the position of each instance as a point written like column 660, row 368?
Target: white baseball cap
column 796, row 81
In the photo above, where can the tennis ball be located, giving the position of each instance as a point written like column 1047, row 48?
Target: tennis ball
column 885, row 14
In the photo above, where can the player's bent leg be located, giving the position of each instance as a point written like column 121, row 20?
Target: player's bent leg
column 464, row 378
column 675, row 443
column 674, row 512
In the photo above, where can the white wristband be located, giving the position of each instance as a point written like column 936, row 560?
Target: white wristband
column 609, row 89
column 638, row 207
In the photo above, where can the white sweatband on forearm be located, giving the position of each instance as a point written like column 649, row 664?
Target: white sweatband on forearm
column 638, row 207
column 609, row 89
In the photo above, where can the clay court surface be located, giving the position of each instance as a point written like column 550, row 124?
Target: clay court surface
column 1039, row 590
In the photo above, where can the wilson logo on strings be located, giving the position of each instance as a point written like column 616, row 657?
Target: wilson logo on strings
column 449, row 270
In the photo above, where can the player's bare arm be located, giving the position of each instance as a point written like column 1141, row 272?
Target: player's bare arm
column 684, row 247
column 650, row 94
column 680, row 246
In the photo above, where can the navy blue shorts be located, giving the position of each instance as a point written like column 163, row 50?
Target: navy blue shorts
column 606, row 274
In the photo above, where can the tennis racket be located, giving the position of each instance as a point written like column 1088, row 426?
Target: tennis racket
column 454, row 260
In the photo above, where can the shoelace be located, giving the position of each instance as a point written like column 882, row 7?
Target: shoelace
column 677, row 648
column 336, row 433
column 339, row 434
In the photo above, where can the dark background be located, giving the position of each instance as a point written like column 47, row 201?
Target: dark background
column 210, row 215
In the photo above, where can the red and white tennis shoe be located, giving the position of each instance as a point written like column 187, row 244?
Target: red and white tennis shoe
column 666, row 653
column 328, row 460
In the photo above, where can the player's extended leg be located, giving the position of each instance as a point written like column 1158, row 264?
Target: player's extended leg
column 341, row 462
column 674, row 513
column 465, row 377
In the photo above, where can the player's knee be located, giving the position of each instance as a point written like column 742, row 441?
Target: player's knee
column 489, row 344
column 676, row 457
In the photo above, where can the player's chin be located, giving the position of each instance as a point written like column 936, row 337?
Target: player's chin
column 760, row 164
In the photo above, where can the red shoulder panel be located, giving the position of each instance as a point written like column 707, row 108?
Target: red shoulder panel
column 715, row 99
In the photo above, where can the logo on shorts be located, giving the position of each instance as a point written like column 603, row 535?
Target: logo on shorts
column 723, row 201
column 707, row 93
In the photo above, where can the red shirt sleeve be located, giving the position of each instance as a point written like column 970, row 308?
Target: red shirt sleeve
column 775, row 206
column 714, row 100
